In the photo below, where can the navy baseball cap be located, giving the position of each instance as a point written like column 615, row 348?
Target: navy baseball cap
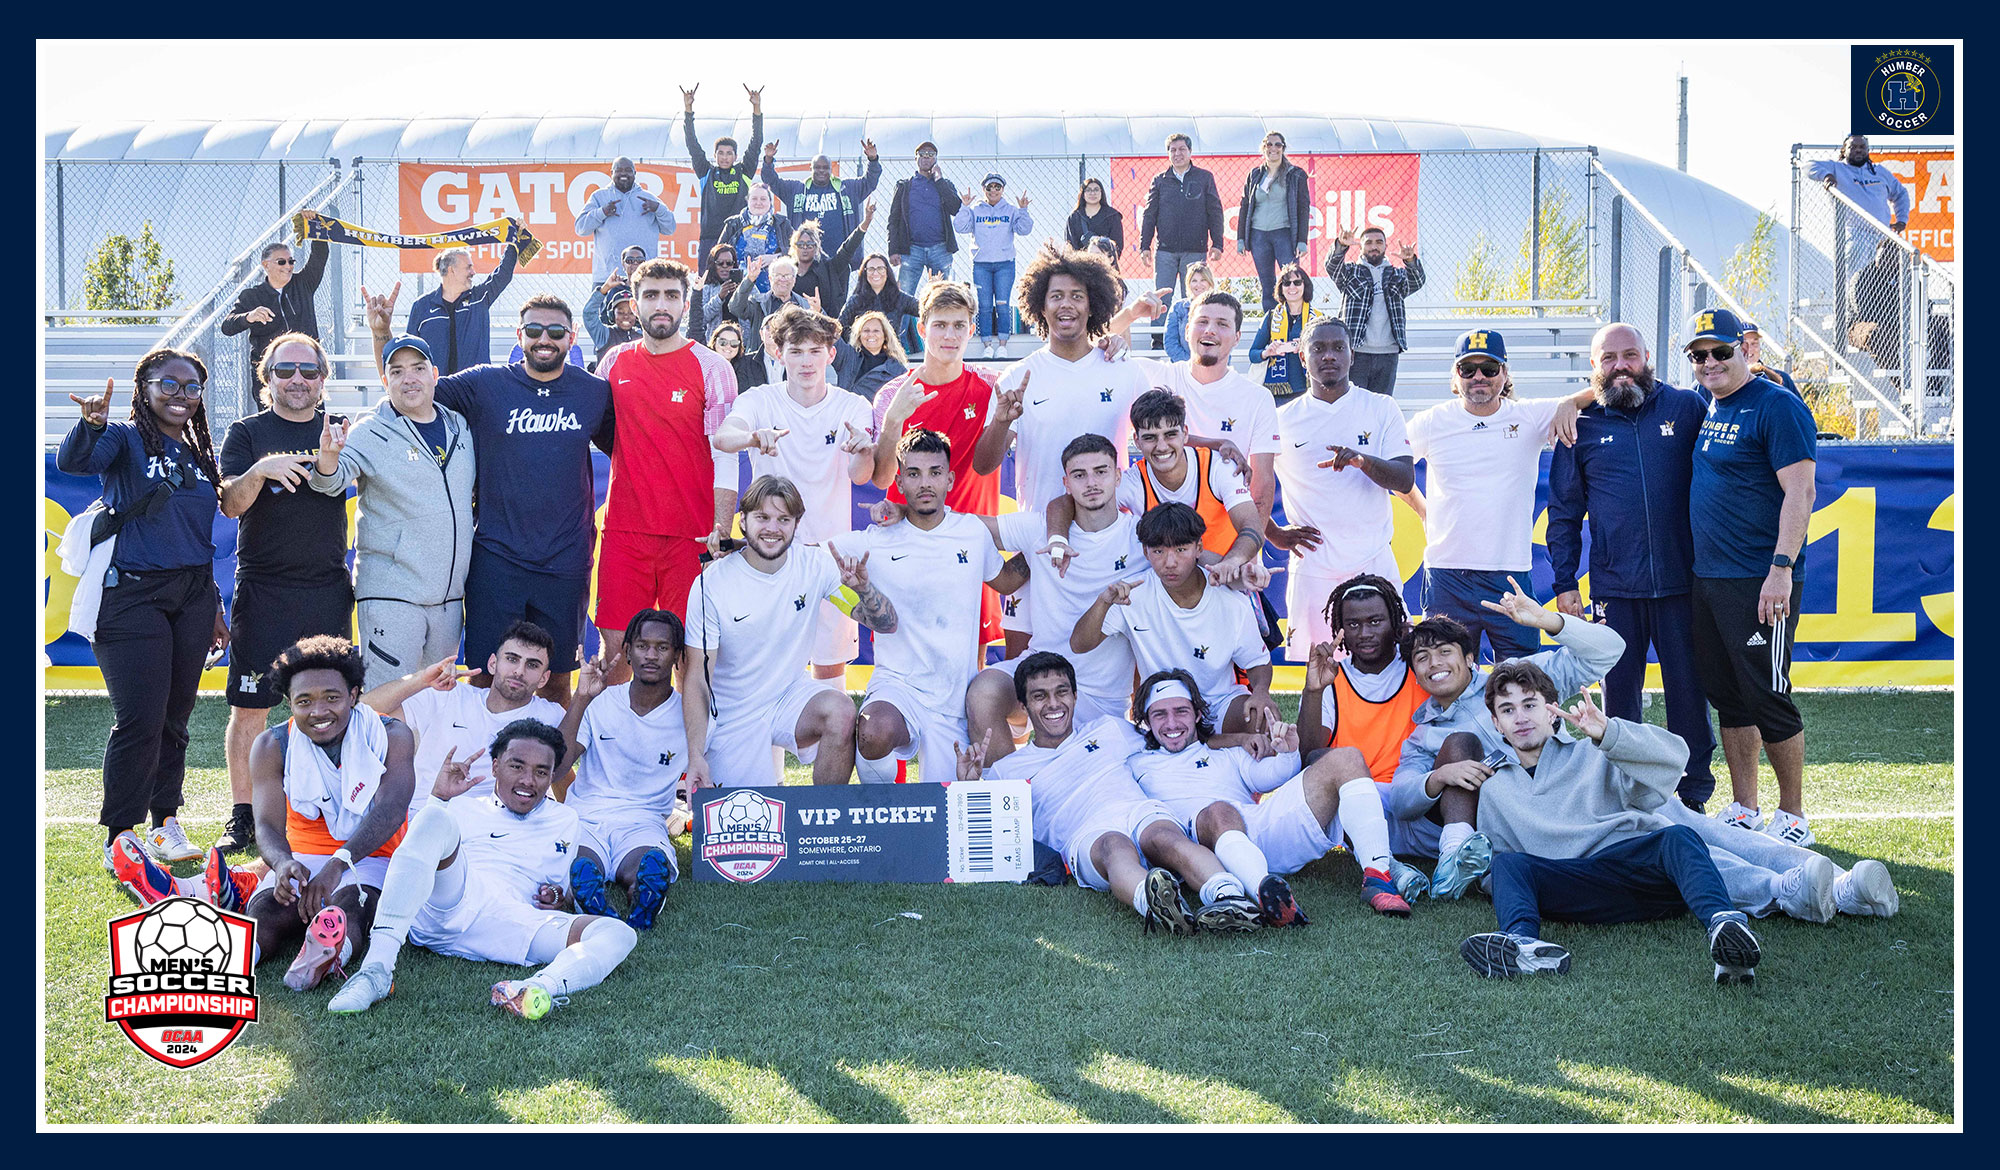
column 1716, row 325
column 1750, row 327
column 992, row 178
column 1482, row 343
column 408, row 341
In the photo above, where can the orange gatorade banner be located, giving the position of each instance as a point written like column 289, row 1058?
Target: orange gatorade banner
column 545, row 197
column 1349, row 191
column 1932, row 177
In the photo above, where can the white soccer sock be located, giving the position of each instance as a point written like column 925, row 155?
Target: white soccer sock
column 195, row 887
column 1139, row 902
column 431, row 837
column 1240, row 856
column 584, row 963
column 1221, row 885
column 882, row 771
column 1452, row 836
column 1367, row 829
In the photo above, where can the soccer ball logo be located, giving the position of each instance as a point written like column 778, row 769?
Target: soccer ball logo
column 181, row 934
column 745, row 810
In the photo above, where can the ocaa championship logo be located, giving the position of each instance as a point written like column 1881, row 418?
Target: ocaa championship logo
column 181, row 986
column 743, row 834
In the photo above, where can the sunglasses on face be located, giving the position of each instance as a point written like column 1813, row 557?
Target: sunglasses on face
column 1490, row 369
column 306, row 370
column 1293, row 283
column 173, row 388
column 281, row 261
column 1720, row 353
column 555, row 332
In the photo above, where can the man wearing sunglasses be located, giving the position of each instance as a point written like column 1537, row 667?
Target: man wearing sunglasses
column 1750, row 502
column 291, row 548
column 1484, row 451
column 280, row 303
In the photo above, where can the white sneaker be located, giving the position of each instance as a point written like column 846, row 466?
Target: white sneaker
column 364, row 989
column 1867, row 891
column 169, row 844
column 1791, row 830
column 1806, row 892
column 1742, row 818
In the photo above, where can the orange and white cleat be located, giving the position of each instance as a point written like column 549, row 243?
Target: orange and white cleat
column 229, row 887
column 320, row 952
column 138, row 873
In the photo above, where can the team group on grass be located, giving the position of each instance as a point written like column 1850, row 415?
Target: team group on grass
column 489, row 817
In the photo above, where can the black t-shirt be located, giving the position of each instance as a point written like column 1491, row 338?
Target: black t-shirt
column 297, row 536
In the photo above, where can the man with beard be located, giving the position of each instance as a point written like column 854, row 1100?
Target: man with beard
column 533, row 424
column 669, row 492
column 281, row 303
column 621, row 216
column 1629, row 471
column 1373, row 293
column 457, row 317
column 1875, row 189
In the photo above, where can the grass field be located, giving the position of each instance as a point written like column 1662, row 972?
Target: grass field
column 1001, row 1005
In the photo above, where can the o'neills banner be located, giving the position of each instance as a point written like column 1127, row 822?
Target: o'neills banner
column 311, row 225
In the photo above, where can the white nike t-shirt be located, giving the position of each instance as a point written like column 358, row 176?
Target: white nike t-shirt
column 1351, row 511
column 632, row 764
column 1479, row 483
column 933, row 580
column 1071, row 782
column 513, row 852
column 761, row 625
column 1055, row 602
column 1197, row 776
column 1224, row 480
column 1232, row 407
column 458, row 719
column 810, row 456
column 1089, row 396
column 1208, row 641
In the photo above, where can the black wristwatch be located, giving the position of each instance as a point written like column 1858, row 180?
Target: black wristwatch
column 1781, row 561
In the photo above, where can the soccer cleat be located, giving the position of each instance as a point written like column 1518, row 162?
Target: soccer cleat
column 240, row 834
column 1866, row 890
column 1231, row 913
column 137, row 872
column 368, row 986
column 1166, row 908
column 1381, row 896
column 1458, row 870
column 320, row 952
column 1791, row 830
column 649, row 892
column 1806, row 892
column 1733, row 948
column 1274, row 898
column 586, row 882
column 530, row 1001
column 1497, row 955
column 229, row 888
column 1410, row 881
column 1742, row 818
column 169, row 843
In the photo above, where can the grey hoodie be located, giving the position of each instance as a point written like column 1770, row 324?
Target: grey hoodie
column 1584, row 796
column 413, row 524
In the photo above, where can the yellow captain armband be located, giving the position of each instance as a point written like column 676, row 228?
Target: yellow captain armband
column 844, row 600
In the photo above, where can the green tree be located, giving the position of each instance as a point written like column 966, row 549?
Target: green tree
column 1565, row 257
column 129, row 274
column 1751, row 273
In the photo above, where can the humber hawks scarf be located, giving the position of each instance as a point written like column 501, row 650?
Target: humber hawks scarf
column 311, row 225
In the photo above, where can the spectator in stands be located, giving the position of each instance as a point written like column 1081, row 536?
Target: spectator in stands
column 621, row 215
column 752, row 307
column 993, row 224
column 830, row 201
column 1630, row 472
column 456, row 320
column 621, row 324
column 1374, row 291
column 1874, row 189
column 920, row 211
column 709, row 306
column 1753, row 340
column 1094, row 217
column 1183, row 215
column 725, row 183
column 596, row 317
column 1277, row 344
column 727, row 342
column 1200, row 278
column 870, row 357
column 823, row 275
column 1275, row 214
column 1750, row 503
column 757, row 230
column 281, row 303
column 878, row 292
column 1880, row 306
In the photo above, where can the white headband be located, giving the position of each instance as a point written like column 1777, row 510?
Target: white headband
column 1167, row 689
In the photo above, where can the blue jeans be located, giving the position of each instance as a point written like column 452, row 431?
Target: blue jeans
column 920, row 259
column 1168, row 269
column 1659, row 875
column 1456, row 593
column 1269, row 250
column 994, row 279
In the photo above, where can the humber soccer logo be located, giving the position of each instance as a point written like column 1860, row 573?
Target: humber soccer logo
column 1902, row 89
column 743, row 834
column 181, row 987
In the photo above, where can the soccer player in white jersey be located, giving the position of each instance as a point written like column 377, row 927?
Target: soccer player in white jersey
column 483, row 878
column 931, row 564
column 1177, row 618
column 630, row 751
column 821, row 440
column 1089, row 809
column 752, row 623
column 1265, row 816
column 1344, row 456
column 449, row 715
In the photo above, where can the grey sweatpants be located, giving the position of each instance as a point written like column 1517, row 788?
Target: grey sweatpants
column 400, row 637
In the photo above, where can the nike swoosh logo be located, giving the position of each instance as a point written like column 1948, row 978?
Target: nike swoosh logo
column 460, row 726
column 1039, row 401
column 1301, row 444
column 899, row 558
column 1140, row 629
column 496, row 834
column 741, row 618
column 607, row 737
